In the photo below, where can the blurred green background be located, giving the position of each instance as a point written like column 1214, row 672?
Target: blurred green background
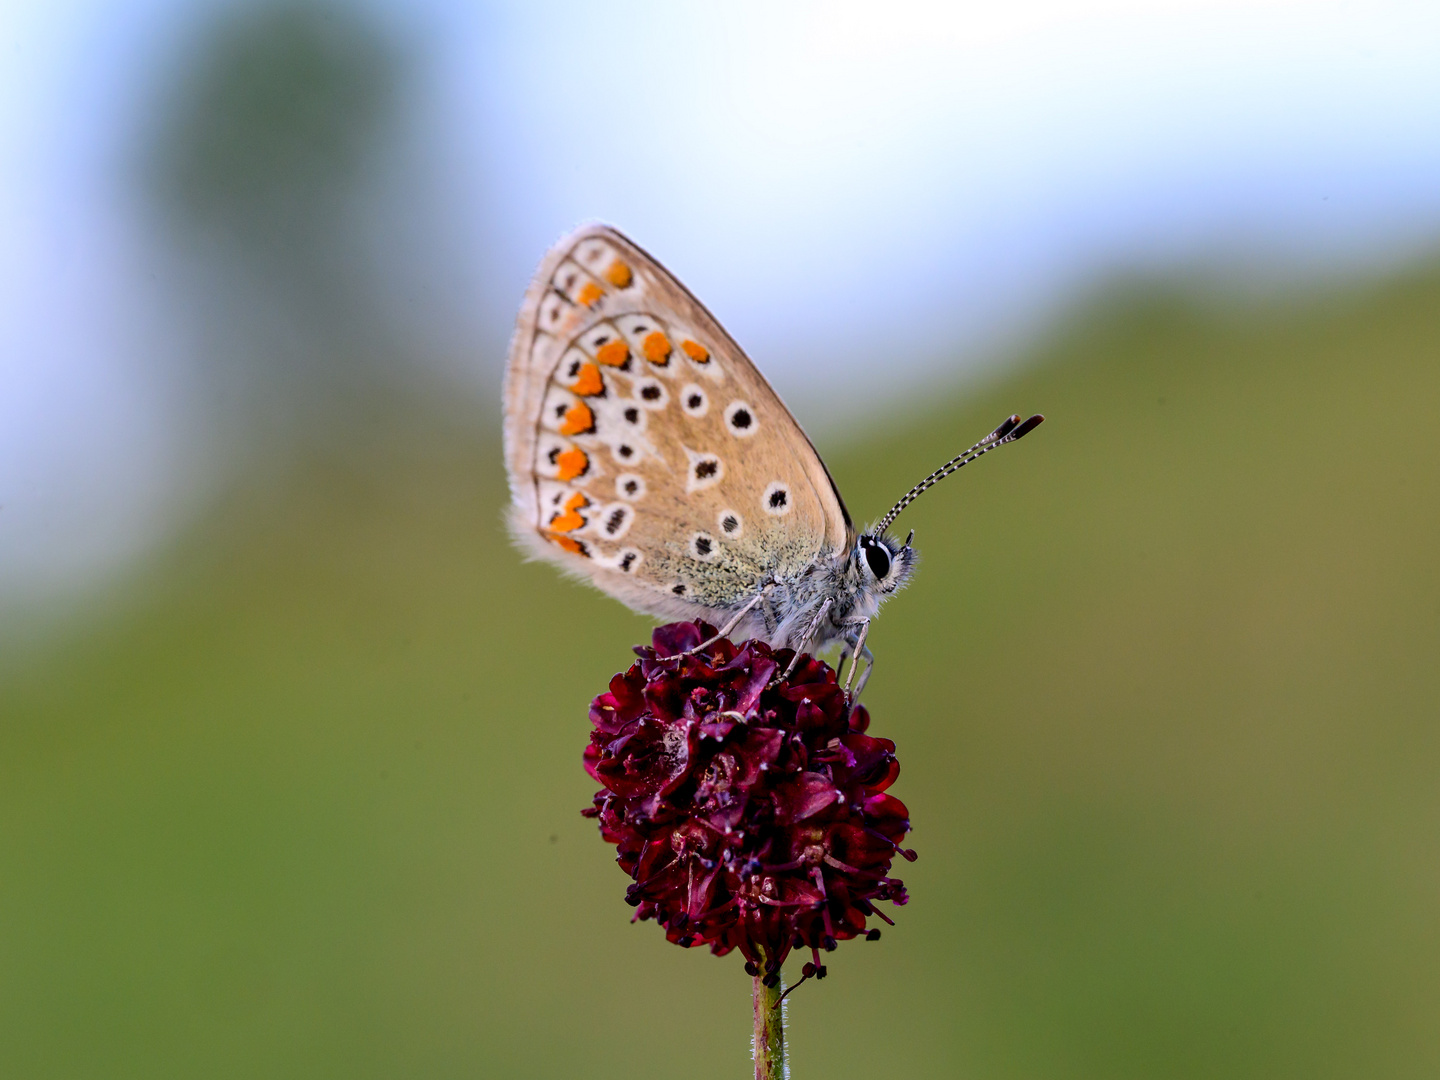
column 297, row 793
column 1164, row 694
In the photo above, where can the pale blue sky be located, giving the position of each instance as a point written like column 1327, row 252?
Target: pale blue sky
column 926, row 182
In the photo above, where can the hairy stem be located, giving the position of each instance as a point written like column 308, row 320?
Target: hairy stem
column 769, row 1030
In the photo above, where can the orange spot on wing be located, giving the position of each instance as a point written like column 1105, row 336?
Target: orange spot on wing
column 569, row 543
column 578, row 420
column 618, row 274
column 589, row 294
column 613, row 353
column 657, row 348
column 570, row 518
column 695, row 351
column 572, row 463
column 588, row 383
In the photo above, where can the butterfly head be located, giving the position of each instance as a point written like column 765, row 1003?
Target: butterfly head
column 884, row 564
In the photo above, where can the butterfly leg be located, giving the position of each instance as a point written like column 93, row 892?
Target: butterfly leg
column 869, row 658
column 847, row 655
column 734, row 622
column 860, row 652
column 809, row 633
column 771, row 619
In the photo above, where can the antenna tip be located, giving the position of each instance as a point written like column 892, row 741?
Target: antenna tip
column 1004, row 429
column 1028, row 426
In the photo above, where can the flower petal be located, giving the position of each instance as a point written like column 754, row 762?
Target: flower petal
column 748, row 810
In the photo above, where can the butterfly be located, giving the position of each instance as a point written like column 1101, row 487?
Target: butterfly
column 648, row 455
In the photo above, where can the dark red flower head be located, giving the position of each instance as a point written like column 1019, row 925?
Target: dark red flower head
column 749, row 809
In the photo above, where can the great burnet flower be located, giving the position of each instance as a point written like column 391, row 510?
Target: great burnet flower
column 749, row 808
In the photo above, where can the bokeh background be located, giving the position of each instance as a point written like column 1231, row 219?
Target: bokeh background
column 290, row 738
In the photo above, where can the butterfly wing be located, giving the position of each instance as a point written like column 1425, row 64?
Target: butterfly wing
column 646, row 453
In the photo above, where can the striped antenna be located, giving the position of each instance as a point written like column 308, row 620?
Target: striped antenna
column 1012, row 429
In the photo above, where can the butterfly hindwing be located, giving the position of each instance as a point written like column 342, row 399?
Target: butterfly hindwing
column 645, row 451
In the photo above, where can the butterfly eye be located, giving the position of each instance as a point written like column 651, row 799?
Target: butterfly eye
column 877, row 557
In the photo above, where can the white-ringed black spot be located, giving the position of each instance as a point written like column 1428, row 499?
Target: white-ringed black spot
column 706, row 470
column 635, row 327
column 625, row 452
column 694, row 401
column 776, row 499
column 740, row 419
column 652, row 393
column 678, row 590
column 731, row 524
column 629, row 486
column 702, row 546
column 628, row 559
column 631, row 414
column 617, row 519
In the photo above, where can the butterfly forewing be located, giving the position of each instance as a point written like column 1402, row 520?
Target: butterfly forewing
column 645, row 451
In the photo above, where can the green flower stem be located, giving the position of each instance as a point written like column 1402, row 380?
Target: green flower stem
column 769, row 1030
